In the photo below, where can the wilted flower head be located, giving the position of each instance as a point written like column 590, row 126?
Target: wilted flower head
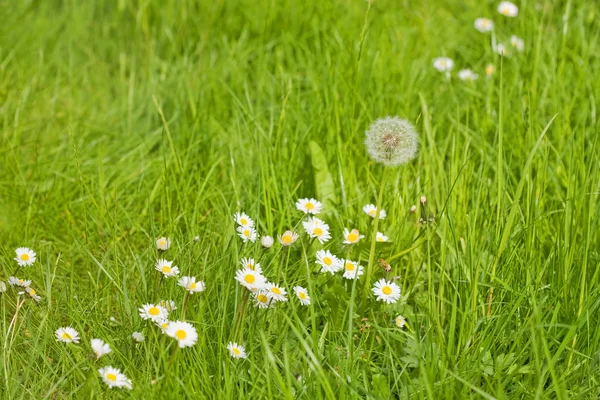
column 392, row 141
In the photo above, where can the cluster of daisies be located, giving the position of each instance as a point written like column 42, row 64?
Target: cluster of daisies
column 266, row 294
column 25, row 258
column 486, row 25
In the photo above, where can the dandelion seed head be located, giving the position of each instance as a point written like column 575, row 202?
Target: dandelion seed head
column 392, row 141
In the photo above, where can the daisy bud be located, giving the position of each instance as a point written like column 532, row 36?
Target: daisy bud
column 413, row 209
column 423, row 200
column 196, row 238
column 392, row 141
column 266, row 241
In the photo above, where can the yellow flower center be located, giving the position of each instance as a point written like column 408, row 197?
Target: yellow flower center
column 275, row 290
column 111, row 377
column 246, row 232
column 443, row 63
column 380, row 239
column 352, row 237
column 249, row 279
column 31, row 292
column 154, row 311
column 262, row 298
column 302, row 295
column 162, row 242
column 327, row 260
column 164, row 325
column 180, row 334
column 21, row 281
column 318, row 231
column 349, row 267
column 236, row 351
column 24, row 257
column 372, row 213
column 505, row 11
column 166, row 269
column 286, row 239
column 386, row 290
column 243, row 221
column 67, row 336
column 309, row 206
column 193, row 285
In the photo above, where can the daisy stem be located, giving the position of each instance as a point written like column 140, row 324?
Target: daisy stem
column 185, row 302
column 374, row 233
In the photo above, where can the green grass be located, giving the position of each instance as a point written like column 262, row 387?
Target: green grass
column 124, row 121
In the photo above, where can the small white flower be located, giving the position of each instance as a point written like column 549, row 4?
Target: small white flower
column 247, row 233
column 267, row 241
column 189, row 283
column 236, row 351
column 371, row 211
column 250, row 279
column 163, row 243
column 12, row 281
column 517, row 42
column 114, row 378
column 467, row 75
column 31, row 292
column 153, row 312
column 163, row 324
column 328, row 262
column 183, row 332
column 353, row 236
column 100, row 348
column 352, row 270
column 25, row 257
column 309, row 206
column 302, row 295
column 316, row 228
column 501, row 49
column 262, row 300
column 380, row 237
column 138, row 336
column 251, row 264
column 489, row 70
column 443, row 64
column 67, row 335
column 400, row 321
column 386, row 291
column 484, row 25
column 243, row 220
column 167, row 268
column 168, row 305
column 275, row 292
column 508, row 9
column 288, row 238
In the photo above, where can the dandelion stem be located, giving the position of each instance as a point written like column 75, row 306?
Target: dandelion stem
column 374, row 233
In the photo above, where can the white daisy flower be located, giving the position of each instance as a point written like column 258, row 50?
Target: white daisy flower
column 247, row 233
column 443, row 64
column 183, row 332
column 169, row 305
column 309, row 206
column 189, row 283
column 316, row 228
column 2, row 287
column 251, row 279
column 100, row 348
column 251, row 264
column 467, row 75
column 489, row 70
column 508, row 9
column 501, row 49
column 302, row 295
column 353, row 236
column 380, row 237
column 12, row 281
column 153, row 312
column 262, row 300
column 67, row 335
column 371, row 211
column 517, row 42
column 163, row 324
column 163, row 243
column 243, row 220
column 275, row 292
column 114, row 378
column 31, row 292
column 167, row 269
column 328, row 262
column 386, row 291
column 138, row 336
column 236, row 351
column 400, row 321
column 25, row 257
column 267, row 242
column 484, row 25
column 288, row 238
column 352, row 270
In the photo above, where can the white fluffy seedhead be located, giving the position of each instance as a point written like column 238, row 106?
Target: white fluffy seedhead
column 392, row 141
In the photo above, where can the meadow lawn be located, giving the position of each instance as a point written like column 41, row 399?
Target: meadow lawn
column 125, row 121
